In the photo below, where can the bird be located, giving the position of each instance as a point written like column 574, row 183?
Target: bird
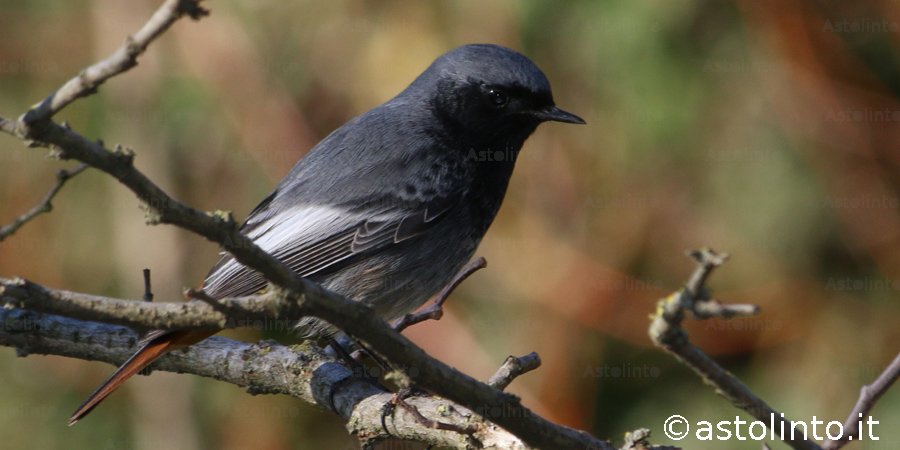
column 387, row 208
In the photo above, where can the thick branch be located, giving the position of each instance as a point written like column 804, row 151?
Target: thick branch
column 232, row 312
column 304, row 372
column 504, row 409
column 666, row 332
column 44, row 206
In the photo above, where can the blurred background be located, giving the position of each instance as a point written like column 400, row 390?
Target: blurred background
column 770, row 130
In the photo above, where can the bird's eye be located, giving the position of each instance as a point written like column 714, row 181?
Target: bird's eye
column 497, row 97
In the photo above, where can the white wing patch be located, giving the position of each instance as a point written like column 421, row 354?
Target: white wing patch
column 312, row 239
column 300, row 227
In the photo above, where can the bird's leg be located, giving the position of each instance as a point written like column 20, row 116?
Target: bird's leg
column 397, row 399
column 362, row 349
column 341, row 352
column 341, row 347
column 355, row 364
column 435, row 310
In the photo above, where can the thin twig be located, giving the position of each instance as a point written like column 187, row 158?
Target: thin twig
column 707, row 261
column 200, row 294
column 148, row 292
column 222, row 305
column 706, row 309
column 45, row 205
column 699, row 302
column 124, row 58
column 868, row 396
column 512, row 368
column 666, row 332
column 435, row 310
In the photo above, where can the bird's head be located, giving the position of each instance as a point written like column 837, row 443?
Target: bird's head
column 488, row 91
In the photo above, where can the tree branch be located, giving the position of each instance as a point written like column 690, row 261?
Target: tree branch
column 868, row 396
column 429, row 374
column 44, row 206
column 512, row 368
column 667, row 333
column 229, row 312
column 304, row 372
column 124, row 58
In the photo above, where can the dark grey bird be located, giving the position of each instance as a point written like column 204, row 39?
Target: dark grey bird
column 391, row 205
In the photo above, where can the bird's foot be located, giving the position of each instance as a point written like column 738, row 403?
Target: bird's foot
column 398, row 400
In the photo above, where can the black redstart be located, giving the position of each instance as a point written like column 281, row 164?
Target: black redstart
column 391, row 205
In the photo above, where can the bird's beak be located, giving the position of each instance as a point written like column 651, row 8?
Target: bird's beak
column 558, row 115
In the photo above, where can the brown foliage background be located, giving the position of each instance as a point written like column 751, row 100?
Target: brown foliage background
column 767, row 129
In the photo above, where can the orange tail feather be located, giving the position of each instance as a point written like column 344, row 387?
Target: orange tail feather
column 156, row 345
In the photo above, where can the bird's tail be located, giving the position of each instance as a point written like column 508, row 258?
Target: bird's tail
column 156, row 344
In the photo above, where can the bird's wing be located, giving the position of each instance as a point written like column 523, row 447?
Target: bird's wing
column 314, row 239
column 372, row 183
